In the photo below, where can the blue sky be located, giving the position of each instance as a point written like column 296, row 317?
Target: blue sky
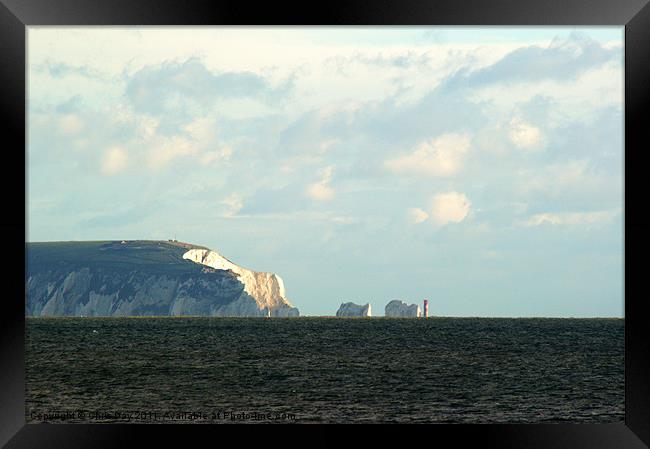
column 481, row 168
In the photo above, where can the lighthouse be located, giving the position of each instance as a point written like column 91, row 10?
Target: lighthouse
column 425, row 312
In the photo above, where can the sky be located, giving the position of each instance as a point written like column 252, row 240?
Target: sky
column 478, row 167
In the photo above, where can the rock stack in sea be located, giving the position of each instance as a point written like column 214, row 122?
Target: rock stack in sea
column 352, row 309
column 399, row 309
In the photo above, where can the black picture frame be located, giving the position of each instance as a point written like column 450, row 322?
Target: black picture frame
column 16, row 15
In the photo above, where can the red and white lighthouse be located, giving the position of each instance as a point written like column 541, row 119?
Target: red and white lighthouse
column 426, row 309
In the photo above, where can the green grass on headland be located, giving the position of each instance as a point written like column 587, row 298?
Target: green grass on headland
column 133, row 254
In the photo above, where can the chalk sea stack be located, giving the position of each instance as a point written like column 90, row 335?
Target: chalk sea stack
column 352, row 309
column 145, row 278
column 399, row 309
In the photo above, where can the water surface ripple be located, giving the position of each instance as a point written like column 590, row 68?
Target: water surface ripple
column 438, row 370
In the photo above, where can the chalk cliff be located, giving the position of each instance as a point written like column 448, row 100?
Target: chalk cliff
column 352, row 309
column 397, row 308
column 266, row 288
column 144, row 278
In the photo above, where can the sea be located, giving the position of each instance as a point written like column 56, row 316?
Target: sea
column 324, row 370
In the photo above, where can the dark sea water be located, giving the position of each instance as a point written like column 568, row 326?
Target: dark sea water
column 221, row 370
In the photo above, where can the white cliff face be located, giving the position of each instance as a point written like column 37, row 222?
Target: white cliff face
column 266, row 289
column 397, row 308
column 145, row 278
column 352, row 309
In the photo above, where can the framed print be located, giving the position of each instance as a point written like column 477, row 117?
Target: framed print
column 363, row 213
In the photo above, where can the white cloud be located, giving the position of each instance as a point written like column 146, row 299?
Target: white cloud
column 417, row 215
column 114, row 161
column 202, row 129
column 163, row 151
column 70, row 124
column 449, row 207
column 442, row 156
column 559, row 179
column 234, row 203
column 491, row 254
column 195, row 139
column 343, row 220
column 80, row 144
column 577, row 100
column 147, row 126
column 217, row 155
column 301, row 215
column 524, row 135
column 570, row 218
column 292, row 164
column 322, row 190
column 326, row 145
column 565, row 175
column 518, row 207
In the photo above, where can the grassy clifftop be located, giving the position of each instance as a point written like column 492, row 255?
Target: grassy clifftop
column 165, row 256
